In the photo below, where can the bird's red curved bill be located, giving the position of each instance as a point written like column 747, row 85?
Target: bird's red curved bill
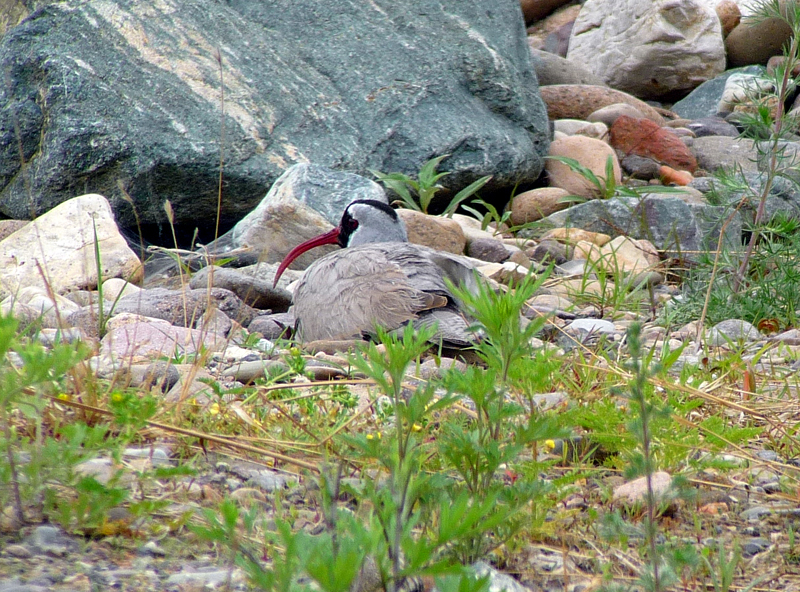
column 329, row 238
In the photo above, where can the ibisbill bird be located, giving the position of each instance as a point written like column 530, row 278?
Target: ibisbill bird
column 378, row 279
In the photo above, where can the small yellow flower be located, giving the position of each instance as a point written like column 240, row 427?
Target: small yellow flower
column 550, row 444
column 117, row 397
column 416, row 428
column 376, row 435
column 64, row 397
column 214, row 409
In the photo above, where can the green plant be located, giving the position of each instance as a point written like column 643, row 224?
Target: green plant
column 491, row 215
column 722, row 568
column 606, row 187
column 502, row 427
column 660, row 575
column 21, row 389
column 425, row 186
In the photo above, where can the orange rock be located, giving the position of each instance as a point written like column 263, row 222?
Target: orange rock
column 642, row 137
column 714, row 508
column 729, row 16
column 671, row 176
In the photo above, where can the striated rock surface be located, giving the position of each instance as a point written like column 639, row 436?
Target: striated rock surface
column 648, row 49
column 111, row 95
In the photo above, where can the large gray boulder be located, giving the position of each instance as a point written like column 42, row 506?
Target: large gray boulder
column 649, row 49
column 672, row 225
column 114, row 95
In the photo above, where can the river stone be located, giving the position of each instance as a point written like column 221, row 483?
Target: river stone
column 553, row 69
column 649, row 49
column 702, row 101
column 579, row 127
column 732, row 331
column 61, row 245
column 712, row 126
column 716, row 152
column 442, row 234
column 253, row 292
column 589, row 152
column 536, row 10
column 620, row 255
column 184, row 307
column 324, row 190
column 608, row 115
column 645, row 138
column 488, row 249
column 729, row 16
column 635, row 492
column 754, row 41
column 669, row 223
column 578, row 101
column 124, row 95
column 140, row 342
column 783, row 196
column 535, row 204
column 275, row 227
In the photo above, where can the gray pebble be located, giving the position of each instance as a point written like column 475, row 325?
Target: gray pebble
column 732, row 331
column 19, row 551
column 15, row 585
column 591, row 326
column 755, row 546
column 755, row 513
column 50, row 540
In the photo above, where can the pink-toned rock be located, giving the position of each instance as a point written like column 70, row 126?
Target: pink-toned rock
column 9, row 227
column 778, row 60
column 578, row 101
column 729, row 16
column 636, row 491
column 535, row 204
column 642, row 137
column 608, row 115
column 140, row 341
column 435, row 232
column 589, row 152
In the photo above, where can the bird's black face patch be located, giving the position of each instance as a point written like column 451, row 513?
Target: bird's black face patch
column 348, row 226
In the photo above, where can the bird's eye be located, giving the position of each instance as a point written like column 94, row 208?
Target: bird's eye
column 352, row 224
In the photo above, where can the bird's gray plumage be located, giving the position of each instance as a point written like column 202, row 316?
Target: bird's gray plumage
column 346, row 293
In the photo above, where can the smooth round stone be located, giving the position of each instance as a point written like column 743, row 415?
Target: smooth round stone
column 592, row 326
column 590, row 153
column 574, row 267
column 755, row 546
column 732, row 331
column 640, row 167
column 769, row 455
column 579, row 127
column 712, row 126
column 608, row 115
column 536, row 204
column 549, row 251
column 488, row 249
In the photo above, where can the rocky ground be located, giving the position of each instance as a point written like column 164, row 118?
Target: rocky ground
column 240, row 414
